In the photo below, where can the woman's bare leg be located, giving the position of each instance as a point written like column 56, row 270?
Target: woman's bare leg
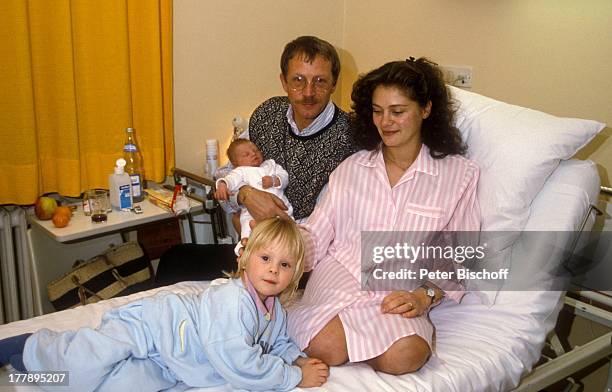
column 406, row 355
column 329, row 345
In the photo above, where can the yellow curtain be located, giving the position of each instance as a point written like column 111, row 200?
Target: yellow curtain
column 74, row 75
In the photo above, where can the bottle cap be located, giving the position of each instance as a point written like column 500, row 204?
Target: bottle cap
column 120, row 164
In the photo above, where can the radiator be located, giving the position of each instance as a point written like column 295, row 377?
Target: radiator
column 16, row 297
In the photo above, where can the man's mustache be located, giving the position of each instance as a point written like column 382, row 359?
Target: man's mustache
column 309, row 101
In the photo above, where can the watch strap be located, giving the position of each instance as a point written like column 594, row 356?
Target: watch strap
column 431, row 293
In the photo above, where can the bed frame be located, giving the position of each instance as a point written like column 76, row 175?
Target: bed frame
column 564, row 363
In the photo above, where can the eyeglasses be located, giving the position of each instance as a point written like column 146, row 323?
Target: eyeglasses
column 298, row 83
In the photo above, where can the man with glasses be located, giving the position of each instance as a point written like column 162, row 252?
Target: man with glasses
column 304, row 132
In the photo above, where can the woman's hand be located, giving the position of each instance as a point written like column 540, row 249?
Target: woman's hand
column 406, row 303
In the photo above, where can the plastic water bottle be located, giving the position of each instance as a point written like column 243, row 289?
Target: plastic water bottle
column 133, row 165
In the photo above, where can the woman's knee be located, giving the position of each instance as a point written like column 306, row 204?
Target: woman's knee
column 329, row 345
column 406, row 355
column 327, row 354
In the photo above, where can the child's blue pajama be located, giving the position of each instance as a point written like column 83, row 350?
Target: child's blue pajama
column 213, row 338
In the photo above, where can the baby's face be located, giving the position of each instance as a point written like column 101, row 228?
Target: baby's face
column 247, row 154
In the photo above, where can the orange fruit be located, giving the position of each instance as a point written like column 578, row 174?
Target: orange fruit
column 63, row 210
column 61, row 219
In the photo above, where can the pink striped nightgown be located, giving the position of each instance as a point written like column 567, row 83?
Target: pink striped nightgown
column 432, row 195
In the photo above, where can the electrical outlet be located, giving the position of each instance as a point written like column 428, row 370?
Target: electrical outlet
column 458, row 76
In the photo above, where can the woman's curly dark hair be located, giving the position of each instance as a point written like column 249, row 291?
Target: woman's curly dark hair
column 422, row 81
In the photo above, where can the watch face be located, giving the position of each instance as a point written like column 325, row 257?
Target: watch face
column 431, row 292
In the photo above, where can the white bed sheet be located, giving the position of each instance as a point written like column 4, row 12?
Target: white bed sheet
column 478, row 348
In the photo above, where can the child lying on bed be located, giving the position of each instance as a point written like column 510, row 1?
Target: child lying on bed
column 231, row 333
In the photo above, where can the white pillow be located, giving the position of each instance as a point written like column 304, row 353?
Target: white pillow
column 517, row 149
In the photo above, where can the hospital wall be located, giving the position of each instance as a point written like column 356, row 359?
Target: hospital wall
column 548, row 55
column 226, row 62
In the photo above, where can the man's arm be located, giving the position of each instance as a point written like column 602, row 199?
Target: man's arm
column 261, row 204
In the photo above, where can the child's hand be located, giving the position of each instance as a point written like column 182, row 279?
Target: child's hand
column 267, row 182
column 314, row 372
column 301, row 361
column 221, row 193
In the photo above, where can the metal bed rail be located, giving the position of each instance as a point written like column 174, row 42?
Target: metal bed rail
column 567, row 363
column 579, row 357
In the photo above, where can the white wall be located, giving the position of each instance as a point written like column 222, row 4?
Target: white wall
column 548, row 55
column 545, row 54
column 227, row 61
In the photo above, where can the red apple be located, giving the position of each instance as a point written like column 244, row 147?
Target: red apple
column 45, row 207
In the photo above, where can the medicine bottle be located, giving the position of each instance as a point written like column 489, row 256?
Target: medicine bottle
column 120, row 187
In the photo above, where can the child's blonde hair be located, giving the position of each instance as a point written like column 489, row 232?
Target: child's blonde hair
column 285, row 233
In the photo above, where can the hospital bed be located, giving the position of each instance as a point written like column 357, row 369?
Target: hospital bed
column 491, row 340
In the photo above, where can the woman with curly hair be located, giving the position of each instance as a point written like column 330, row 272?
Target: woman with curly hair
column 410, row 176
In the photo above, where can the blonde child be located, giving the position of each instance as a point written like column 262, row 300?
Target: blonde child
column 230, row 333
